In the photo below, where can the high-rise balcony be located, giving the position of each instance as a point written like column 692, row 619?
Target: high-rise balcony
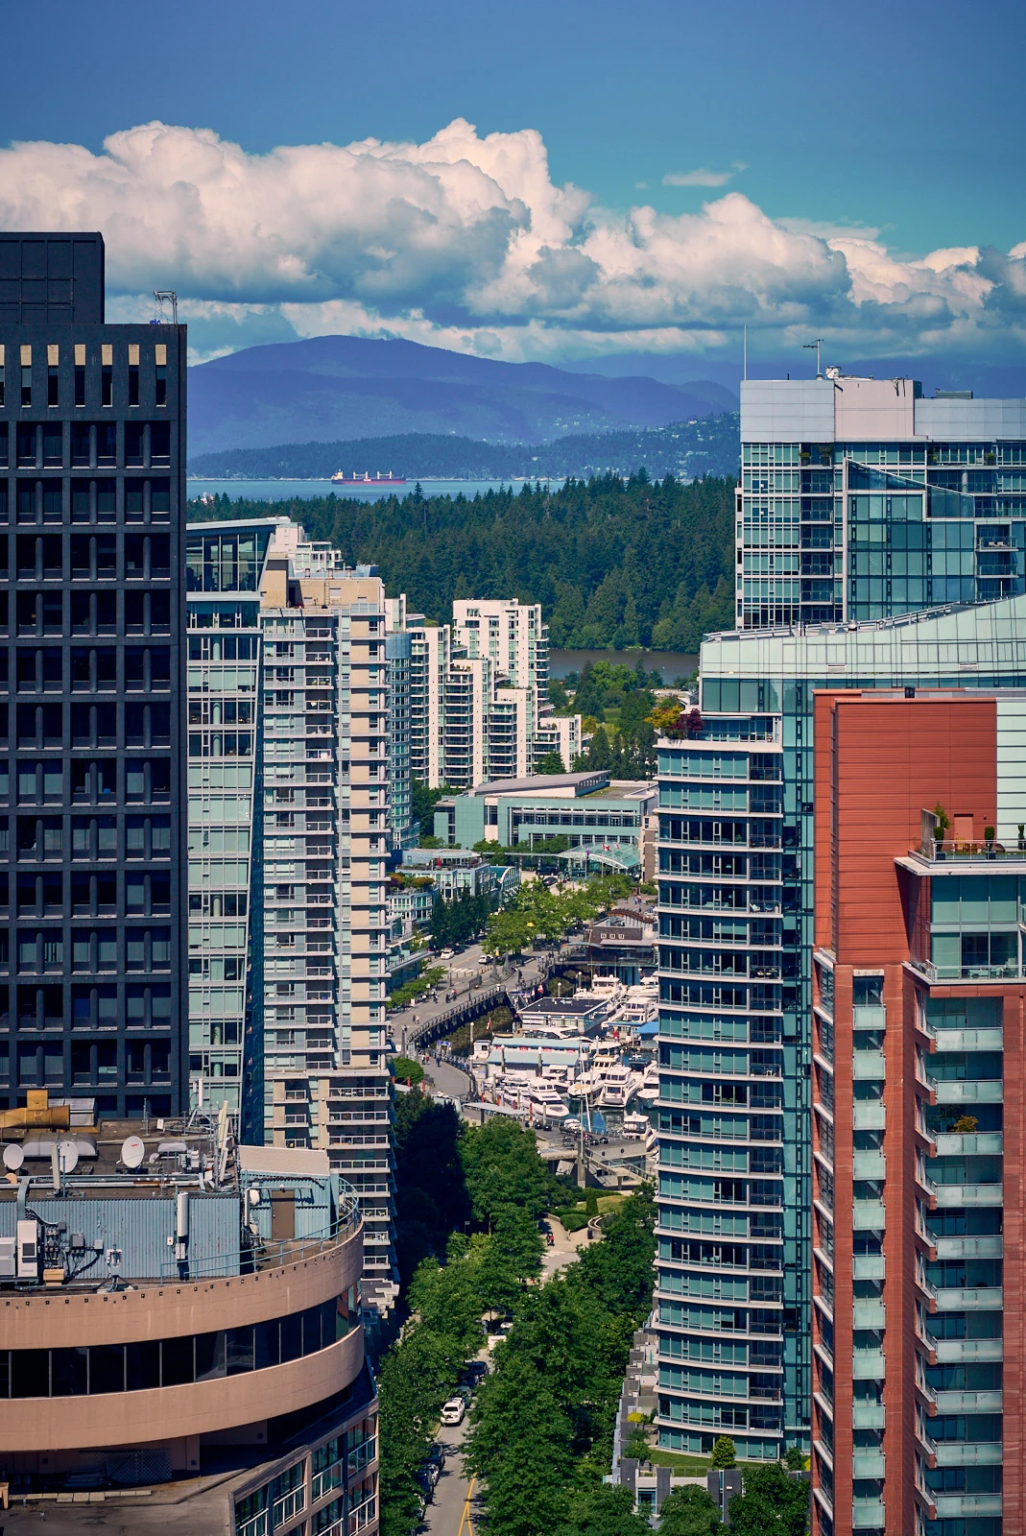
column 969, row 1453
column 964, row 1351
column 868, row 1464
column 868, row 1416
column 982, row 1143
column 987, row 1247
column 948, row 1195
column 868, row 1365
column 976, row 1298
column 969, row 1402
column 966, row 1505
column 867, row 1515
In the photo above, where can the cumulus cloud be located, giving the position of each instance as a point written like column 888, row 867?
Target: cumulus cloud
column 702, row 178
column 466, row 241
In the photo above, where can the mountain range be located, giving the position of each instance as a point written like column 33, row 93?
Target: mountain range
column 686, row 450
column 341, row 388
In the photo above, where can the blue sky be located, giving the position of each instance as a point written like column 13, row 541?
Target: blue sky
column 902, row 124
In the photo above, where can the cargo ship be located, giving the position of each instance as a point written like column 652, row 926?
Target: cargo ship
column 338, row 478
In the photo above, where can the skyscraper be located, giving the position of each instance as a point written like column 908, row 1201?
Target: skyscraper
column 290, row 769
column 735, row 860
column 859, row 498
column 918, row 998
column 92, row 866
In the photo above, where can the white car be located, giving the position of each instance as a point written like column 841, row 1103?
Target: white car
column 453, row 1411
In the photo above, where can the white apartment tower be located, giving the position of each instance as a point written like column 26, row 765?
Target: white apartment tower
column 295, row 1037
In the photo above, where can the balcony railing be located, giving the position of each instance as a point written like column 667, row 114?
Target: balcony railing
column 264, row 1254
column 962, row 849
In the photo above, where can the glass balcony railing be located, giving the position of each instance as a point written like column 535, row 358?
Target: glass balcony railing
column 868, row 1365
column 969, row 1453
column 950, row 1144
column 867, row 1464
column 869, row 1016
column 868, row 1416
column 974, row 1298
column 966, row 1505
column 969, row 1402
column 962, row 849
column 867, row 1515
column 964, row 1351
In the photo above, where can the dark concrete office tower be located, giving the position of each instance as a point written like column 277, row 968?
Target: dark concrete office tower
column 92, row 866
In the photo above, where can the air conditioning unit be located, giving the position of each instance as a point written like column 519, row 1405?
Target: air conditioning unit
column 8, row 1258
column 28, row 1250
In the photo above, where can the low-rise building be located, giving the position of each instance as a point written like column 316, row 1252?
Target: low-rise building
column 589, row 809
column 179, row 1307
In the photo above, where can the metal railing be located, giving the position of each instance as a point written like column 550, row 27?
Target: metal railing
column 970, row 848
column 264, row 1254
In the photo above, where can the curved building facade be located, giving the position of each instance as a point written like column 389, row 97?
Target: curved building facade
column 197, row 1314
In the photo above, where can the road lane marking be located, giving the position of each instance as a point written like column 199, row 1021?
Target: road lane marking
column 465, row 1520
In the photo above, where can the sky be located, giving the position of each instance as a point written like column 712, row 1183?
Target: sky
column 563, row 180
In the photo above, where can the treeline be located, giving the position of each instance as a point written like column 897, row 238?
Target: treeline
column 688, row 449
column 447, row 1175
column 542, row 1430
column 613, row 563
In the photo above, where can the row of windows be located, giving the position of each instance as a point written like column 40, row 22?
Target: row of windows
column 87, row 557
column 89, row 949
column 85, row 894
column 92, row 669
column 137, row 369
column 41, row 614
column 85, row 444
column 91, row 1063
column 98, row 1369
column 42, row 782
column 90, row 1005
column 38, row 727
column 86, row 501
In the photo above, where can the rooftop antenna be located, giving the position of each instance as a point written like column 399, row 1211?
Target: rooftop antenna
column 808, row 346
column 167, row 306
column 746, row 352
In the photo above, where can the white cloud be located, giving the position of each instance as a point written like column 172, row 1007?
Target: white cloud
column 466, row 241
column 703, row 178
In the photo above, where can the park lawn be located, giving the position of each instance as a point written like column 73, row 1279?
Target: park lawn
column 688, row 1466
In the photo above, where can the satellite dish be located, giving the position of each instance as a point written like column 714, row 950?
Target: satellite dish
column 13, row 1157
column 67, row 1156
column 133, row 1150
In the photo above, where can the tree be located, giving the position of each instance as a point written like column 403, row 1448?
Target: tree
column 689, row 1511
column 724, row 1453
column 604, row 1511
column 424, row 801
column 770, row 1504
column 406, row 1070
column 636, row 1448
column 552, row 762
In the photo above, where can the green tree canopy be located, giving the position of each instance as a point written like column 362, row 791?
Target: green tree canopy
column 689, row 1511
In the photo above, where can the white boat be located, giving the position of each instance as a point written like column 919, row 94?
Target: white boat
column 649, row 1090
column 544, row 1103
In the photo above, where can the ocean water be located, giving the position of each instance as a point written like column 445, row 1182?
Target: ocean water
column 669, row 664
column 309, row 490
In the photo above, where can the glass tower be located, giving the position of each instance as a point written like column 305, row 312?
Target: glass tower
column 859, row 499
column 735, row 1005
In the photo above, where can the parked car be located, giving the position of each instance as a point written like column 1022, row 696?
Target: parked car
column 453, row 1411
column 436, row 1459
column 466, row 1393
column 475, row 1371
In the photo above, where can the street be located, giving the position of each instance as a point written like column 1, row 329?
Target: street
column 472, row 962
column 455, row 1508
